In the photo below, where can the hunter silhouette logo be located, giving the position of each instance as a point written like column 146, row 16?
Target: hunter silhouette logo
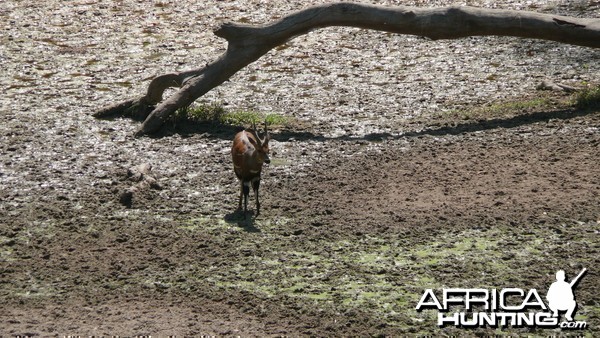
column 560, row 295
column 516, row 307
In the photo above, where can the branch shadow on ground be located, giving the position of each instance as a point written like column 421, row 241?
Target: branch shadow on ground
column 504, row 123
column 226, row 132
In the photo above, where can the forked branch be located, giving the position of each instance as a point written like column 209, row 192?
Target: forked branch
column 247, row 43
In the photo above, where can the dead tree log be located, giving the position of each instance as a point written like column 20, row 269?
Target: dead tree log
column 247, row 43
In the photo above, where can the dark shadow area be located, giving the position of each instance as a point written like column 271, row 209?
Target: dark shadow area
column 505, row 123
column 226, row 132
column 242, row 220
column 191, row 128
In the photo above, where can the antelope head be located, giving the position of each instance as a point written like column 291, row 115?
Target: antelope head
column 261, row 145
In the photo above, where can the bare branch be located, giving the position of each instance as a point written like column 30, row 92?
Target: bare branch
column 247, row 43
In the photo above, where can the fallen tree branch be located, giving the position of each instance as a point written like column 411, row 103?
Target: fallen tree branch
column 247, row 43
column 549, row 85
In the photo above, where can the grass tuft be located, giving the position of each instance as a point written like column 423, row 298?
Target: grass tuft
column 200, row 113
column 499, row 110
column 588, row 97
column 216, row 114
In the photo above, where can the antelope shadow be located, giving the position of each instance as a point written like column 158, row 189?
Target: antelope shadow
column 242, row 220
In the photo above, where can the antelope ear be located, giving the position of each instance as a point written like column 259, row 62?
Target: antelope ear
column 253, row 141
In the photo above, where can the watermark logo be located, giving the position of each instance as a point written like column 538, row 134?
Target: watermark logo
column 514, row 307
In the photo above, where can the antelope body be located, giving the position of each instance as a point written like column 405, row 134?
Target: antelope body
column 249, row 152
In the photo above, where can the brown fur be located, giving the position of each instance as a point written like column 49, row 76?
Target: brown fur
column 249, row 153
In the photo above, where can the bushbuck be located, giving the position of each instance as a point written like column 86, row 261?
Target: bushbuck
column 249, row 152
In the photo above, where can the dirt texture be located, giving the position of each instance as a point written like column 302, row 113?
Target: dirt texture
column 409, row 164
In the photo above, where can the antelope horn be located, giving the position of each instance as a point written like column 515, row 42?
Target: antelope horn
column 266, row 130
column 255, row 134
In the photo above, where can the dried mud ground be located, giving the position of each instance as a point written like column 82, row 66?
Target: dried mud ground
column 408, row 164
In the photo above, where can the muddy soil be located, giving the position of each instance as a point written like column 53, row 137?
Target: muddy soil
column 389, row 180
